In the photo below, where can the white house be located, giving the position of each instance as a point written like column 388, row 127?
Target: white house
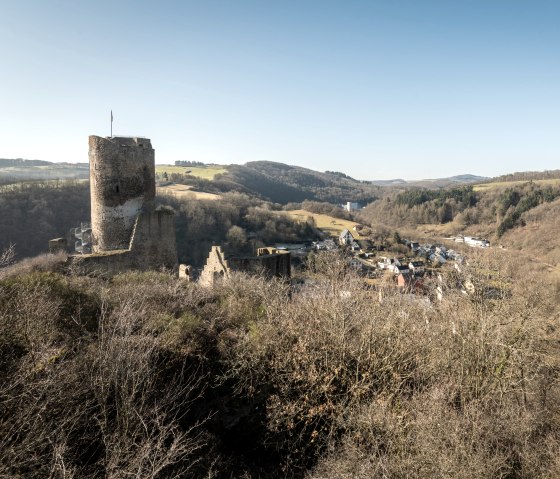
column 400, row 269
column 388, row 263
column 350, row 206
column 345, row 238
column 477, row 242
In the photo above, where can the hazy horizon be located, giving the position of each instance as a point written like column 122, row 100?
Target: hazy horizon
column 377, row 90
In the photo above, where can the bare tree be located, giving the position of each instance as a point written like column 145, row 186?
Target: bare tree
column 7, row 256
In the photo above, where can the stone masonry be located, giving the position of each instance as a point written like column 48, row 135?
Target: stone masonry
column 127, row 231
column 122, row 183
column 268, row 262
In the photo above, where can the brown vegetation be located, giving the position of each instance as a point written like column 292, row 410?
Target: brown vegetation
column 149, row 376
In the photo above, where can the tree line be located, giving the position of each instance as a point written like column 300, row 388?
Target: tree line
column 33, row 213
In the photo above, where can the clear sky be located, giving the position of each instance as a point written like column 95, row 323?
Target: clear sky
column 376, row 89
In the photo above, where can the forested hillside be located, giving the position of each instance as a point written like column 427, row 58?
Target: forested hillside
column 236, row 220
column 33, row 213
column 282, row 183
column 529, row 176
column 496, row 210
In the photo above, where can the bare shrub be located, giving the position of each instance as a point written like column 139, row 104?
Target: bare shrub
column 332, row 355
column 7, row 256
column 76, row 403
column 321, row 354
column 42, row 263
column 117, row 378
column 139, row 418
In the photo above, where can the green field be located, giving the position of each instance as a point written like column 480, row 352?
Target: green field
column 206, row 172
column 502, row 184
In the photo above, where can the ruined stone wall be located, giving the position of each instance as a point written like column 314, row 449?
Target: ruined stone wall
column 152, row 247
column 269, row 265
column 122, row 183
column 216, row 267
column 58, row 245
column 101, row 264
column 153, row 242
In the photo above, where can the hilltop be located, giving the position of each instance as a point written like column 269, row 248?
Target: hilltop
column 282, row 183
column 435, row 182
column 267, row 180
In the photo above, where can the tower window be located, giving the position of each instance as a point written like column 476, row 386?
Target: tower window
column 117, row 189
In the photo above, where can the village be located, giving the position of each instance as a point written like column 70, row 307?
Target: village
column 423, row 270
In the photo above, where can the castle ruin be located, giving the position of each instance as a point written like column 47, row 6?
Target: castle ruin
column 269, row 262
column 127, row 231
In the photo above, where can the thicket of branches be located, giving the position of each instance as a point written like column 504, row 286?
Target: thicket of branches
column 33, row 213
column 150, row 376
column 236, row 220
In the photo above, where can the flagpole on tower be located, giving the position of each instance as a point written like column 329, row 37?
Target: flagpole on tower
column 111, row 123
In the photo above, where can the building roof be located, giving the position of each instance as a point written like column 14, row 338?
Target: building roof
column 417, row 263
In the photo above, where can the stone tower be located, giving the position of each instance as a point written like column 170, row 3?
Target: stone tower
column 122, row 183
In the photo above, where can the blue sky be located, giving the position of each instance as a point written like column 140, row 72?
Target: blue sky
column 376, row 89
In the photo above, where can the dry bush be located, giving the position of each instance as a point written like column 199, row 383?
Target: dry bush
column 321, row 353
column 332, row 355
column 116, row 379
column 77, row 402
column 7, row 256
column 43, row 263
column 139, row 416
column 41, row 311
column 158, row 292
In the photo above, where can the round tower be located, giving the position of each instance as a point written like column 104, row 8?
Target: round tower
column 122, row 182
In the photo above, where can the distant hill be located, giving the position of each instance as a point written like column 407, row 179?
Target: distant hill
column 19, row 169
column 19, row 162
column 396, row 182
column 434, row 183
column 283, row 183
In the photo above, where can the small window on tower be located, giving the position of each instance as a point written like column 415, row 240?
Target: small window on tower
column 117, row 189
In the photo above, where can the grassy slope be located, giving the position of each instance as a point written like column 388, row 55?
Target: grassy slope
column 185, row 191
column 501, row 184
column 332, row 226
column 207, row 172
column 540, row 235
